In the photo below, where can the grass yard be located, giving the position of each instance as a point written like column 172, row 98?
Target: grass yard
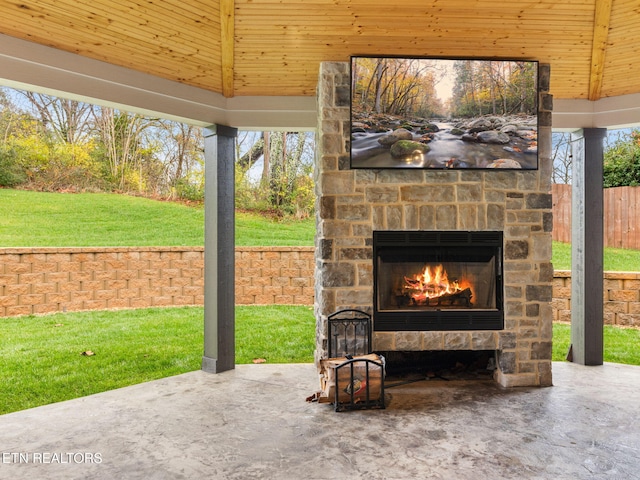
column 615, row 259
column 621, row 345
column 256, row 231
column 41, row 219
column 43, row 362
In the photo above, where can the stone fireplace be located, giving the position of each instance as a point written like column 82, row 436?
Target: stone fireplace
column 367, row 219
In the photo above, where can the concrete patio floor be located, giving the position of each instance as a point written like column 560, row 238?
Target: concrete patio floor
column 253, row 422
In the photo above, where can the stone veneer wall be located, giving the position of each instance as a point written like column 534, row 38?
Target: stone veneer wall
column 46, row 280
column 353, row 203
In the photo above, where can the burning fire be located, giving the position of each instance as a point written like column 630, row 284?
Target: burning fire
column 433, row 283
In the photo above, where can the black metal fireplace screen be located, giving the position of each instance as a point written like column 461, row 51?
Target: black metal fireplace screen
column 431, row 280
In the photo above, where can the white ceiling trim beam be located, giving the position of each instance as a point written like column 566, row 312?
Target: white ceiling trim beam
column 44, row 69
column 612, row 112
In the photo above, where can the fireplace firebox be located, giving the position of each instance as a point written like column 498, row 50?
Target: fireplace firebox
column 437, row 280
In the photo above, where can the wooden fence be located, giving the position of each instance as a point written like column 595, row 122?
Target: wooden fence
column 621, row 216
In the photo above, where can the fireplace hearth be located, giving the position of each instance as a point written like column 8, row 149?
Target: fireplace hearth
column 431, row 280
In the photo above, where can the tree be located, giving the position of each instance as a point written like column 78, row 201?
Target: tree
column 283, row 185
column 379, row 74
column 124, row 146
column 62, row 143
column 34, row 150
column 561, row 157
column 464, row 90
column 11, row 122
column 396, row 87
column 622, row 161
column 253, row 154
column 55, row 143
column 522, row 79
column 67, row 119
column 180, row 146
column 497, row 87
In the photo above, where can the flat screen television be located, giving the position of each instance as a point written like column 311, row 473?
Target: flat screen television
column 443, row 113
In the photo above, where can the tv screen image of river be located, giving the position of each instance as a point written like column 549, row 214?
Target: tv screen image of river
column 417, row 112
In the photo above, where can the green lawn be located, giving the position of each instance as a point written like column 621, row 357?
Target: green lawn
column 256, row 231
column 43, row 363
column 42, row 359
column 621, row 345
column 615, row 259
column 40, row 219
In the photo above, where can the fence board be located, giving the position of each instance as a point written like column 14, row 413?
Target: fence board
column 621, row 216
column 561, row 212
column 612, row 237
column 607, row 211
column 621, row 220
column 634, row 215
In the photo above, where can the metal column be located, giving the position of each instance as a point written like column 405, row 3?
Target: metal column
column 587, row 244
column 219, row 249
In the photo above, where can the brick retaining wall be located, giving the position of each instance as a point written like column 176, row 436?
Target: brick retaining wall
column 45, row 280
column 621, row 297
column 274, row 275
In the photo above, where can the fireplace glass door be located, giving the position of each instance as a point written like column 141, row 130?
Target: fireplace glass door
column 437, row 280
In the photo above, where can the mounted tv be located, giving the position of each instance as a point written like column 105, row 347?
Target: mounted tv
column 444, row 113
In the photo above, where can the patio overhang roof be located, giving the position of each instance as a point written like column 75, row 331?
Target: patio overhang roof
column 254, row 65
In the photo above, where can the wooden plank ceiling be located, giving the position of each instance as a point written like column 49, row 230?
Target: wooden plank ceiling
column 274, row 47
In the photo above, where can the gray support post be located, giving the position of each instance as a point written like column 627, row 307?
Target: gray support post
column 219, row 249
column 587, row 244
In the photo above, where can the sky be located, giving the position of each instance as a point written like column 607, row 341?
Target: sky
column 444, row 88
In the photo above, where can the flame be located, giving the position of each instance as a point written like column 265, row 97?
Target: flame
column 433, row 282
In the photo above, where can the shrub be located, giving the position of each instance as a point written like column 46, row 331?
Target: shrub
column 11, row 173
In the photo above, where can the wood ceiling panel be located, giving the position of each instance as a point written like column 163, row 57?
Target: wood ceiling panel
column 161, row 38
column 623, row 50
column 376, row 24
column 277, row 45
column 270, row 31
column 103, row 21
